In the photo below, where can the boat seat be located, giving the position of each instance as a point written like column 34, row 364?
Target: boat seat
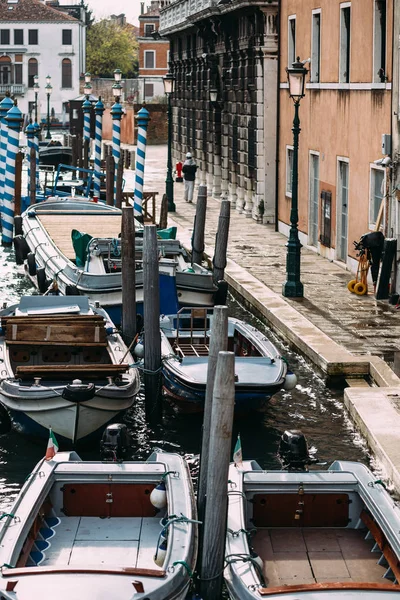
column 382, row 542
column 183, row 350
column 97, row 371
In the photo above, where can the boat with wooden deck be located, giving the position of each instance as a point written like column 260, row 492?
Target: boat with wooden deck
column 63, row 366
column 49, row 254
column 319, row 534
column 260, row 371
column 89, row 530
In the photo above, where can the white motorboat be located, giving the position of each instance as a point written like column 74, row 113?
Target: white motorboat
column 311, row 535
column 64, row 367
column 91, row 530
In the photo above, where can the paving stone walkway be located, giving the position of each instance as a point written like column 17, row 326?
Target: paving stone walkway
column 361, row 324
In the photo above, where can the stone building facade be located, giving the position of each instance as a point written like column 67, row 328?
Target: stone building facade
column 224, row 57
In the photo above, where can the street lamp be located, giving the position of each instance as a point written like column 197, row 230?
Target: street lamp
column 117, row 87
column 48, row 89
column 169, row 82
column 293, row 288
column 36, row 87
column 87, row 90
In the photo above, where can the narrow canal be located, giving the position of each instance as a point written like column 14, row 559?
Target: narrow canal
column 311, row 407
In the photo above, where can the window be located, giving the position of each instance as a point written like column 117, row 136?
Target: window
column 344, row 59
column 5, row 70
column 148, row 90
column 291, row 40
column 18, row 36
column 66, row 73
column 289, row 170
column 149, row 59
column 377, row 192
column 5, row 37
column 380, row 41
column 313, row 199
column 67, row 37
column 18, row 73
column 342, row 209
column 316, row 47
column 33, row 38
column 32, row 71
column 148, row 29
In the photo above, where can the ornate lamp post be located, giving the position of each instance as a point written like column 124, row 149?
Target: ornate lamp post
column 36, row 87
column 169, row 82
column 49, row 89
column 293, row 288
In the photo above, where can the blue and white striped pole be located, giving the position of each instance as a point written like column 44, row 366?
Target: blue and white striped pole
column 99, row 110
column 30, row 136
column 13, row 120
column 143, row 119
column 116, row 113
column 86, row 107
column 5, row 106
column 36, row 146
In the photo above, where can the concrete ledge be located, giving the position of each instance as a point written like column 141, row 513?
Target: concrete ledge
column 331, row 358
column 373, row 411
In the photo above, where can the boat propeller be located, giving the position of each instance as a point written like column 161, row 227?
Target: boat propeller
column 293, row 451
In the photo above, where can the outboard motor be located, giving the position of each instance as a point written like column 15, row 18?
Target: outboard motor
column 115, row 443
column 293, row 451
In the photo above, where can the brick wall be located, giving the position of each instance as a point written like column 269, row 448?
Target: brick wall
column 161, row 56
column 157, row 131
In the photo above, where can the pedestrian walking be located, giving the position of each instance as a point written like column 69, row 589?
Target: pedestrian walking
column 189, row 174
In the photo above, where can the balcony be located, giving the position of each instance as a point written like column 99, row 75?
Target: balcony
column 15, row 89
column 175, row 14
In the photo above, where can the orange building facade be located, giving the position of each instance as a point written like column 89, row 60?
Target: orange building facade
column 153, row 54
column 344, row 114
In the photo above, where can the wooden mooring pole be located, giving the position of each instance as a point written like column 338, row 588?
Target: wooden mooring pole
column 163, row 222
column 214, row 521
column 221, row 241
column 32, row 181
column 110, row 170
column 118, row 183
column 152, row 336
column 199, row 226
column 218, row 343
column 128, row 275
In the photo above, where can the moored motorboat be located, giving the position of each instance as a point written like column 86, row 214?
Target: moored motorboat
column 90, row 530
column 49, row 254
column 311, row 535
column 260, row 371
column 64, row 366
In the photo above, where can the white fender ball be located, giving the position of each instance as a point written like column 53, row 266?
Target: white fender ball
column 290, row 381
column 158, row 496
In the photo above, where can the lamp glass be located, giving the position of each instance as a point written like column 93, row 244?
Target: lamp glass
column 116, row 90
column 87, row 77
column 48, row 79
column 169, row 83
column 296, row 78
column 213, row 95
column 49, row 89
column 36, row 80
column 117, row 75
column 87, row 90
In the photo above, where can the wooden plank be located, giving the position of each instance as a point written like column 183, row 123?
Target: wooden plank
column 51, row 343
column 59, row 228
column 46, row 332
column 382, row 542
column 33, row 369
column 66, row 318
column 313, row 587
column 83, row 570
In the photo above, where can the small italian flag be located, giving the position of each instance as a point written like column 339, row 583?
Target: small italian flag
column 52, row 446
column 237, row 453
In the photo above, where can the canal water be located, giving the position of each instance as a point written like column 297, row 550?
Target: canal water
column 311, row 407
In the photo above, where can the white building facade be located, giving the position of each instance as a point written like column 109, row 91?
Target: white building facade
column 36, row 39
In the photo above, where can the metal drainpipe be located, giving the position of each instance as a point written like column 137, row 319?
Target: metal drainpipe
column 278, row 113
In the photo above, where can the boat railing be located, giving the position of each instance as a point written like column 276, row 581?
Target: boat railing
column 198, row 326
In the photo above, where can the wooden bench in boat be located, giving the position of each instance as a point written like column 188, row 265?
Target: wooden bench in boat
column 90, row 570
column 56, row 330
column 183, row 350
column 97, row 371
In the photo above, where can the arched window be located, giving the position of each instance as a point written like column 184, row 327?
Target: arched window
column 5, row 70
column 66, row 73
column 32, row 71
